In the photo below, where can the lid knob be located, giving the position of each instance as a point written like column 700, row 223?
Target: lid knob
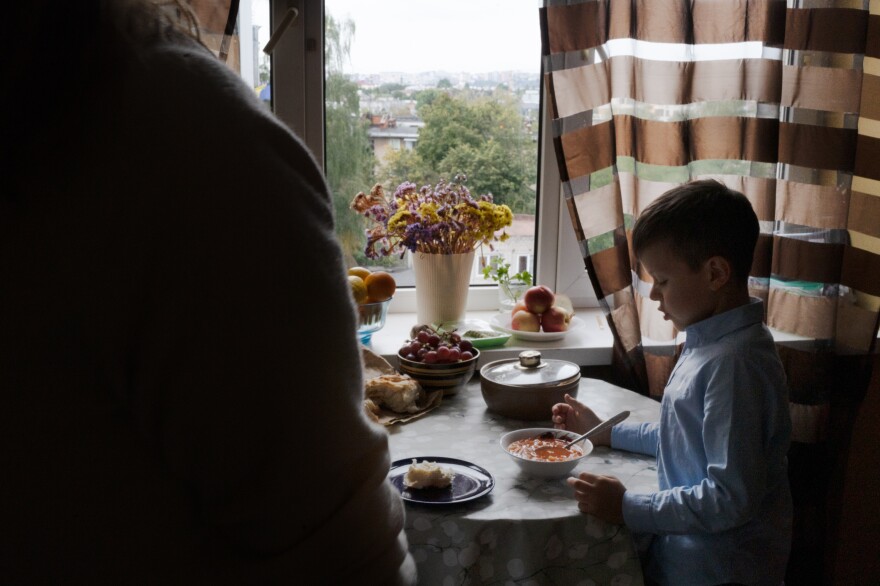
column 529, row 359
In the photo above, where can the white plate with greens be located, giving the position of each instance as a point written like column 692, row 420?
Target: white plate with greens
column 478, row 332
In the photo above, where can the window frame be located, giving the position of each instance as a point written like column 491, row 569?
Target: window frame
column 297, row 70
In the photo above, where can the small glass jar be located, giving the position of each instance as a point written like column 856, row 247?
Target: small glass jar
column 509, row 293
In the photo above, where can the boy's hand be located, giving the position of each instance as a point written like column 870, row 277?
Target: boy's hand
column 577, row 417
column 600, row 496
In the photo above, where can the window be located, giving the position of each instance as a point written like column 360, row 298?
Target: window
column 388, row 109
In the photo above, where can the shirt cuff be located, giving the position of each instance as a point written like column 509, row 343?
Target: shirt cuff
column 637, row 512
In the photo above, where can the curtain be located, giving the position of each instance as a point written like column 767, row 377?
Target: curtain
column 780, row 101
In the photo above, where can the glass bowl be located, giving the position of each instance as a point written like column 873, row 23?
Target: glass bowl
column 371, row 319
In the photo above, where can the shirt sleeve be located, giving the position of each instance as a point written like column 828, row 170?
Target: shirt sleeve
column 641, row 438
column 732, row 438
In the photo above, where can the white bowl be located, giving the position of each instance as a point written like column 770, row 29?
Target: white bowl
column 538, row 468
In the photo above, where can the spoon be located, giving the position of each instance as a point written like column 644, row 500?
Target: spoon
column 599, row 428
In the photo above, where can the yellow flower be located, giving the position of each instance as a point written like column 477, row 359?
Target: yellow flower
column 445, row 219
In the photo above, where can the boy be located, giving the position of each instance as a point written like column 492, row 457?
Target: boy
column 723, row 511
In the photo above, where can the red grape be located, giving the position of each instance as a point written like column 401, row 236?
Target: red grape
column 432, row 346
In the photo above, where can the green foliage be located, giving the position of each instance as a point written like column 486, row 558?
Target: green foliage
column 390, row 88
column 482, row 137
column 403, row 165
column 348, row 158
column 498, row 270
column 337, row 43
column 426, row 98
column 348, row 162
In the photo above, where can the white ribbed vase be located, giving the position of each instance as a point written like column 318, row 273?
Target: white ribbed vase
column 442, row 282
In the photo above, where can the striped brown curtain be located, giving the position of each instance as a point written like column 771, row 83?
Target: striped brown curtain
column 780, row 101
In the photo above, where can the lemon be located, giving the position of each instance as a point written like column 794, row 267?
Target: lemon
column 359, row 272
column 358, row 289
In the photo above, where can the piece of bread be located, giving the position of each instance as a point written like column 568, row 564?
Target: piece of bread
column 428, row 475
column 371, row 409
column 398, row 392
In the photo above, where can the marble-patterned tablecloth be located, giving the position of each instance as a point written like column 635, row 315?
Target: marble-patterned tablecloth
column 527, row 530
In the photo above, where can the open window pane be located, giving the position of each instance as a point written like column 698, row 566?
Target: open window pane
column 419, row 91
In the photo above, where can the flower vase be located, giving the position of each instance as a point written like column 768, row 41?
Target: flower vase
column 442, row 282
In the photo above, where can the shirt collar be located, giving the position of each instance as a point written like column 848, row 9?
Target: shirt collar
column 713, row 328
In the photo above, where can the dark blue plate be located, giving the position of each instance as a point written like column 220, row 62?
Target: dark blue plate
column 470, row 482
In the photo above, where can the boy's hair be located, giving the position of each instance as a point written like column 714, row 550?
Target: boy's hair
column 699, row 220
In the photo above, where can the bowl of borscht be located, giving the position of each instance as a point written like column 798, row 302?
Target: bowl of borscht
column 541, row 452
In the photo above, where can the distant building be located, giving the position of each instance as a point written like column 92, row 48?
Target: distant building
column 388, row 133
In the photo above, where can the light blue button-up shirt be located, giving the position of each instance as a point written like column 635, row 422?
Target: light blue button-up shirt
column 723, row 512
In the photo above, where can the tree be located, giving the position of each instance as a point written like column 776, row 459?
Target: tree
column 349, row 159
column 483, row 137
column 403, row 165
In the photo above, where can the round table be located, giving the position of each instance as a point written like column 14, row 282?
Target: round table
column 526, row 530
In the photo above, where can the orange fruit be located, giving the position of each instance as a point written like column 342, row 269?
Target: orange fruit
column 359, row 272
column 358, row 289
column 380, row 286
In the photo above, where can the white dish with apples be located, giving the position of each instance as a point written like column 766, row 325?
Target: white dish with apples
column 501, row 321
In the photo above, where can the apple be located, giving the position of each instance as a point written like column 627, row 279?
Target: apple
column 538, row 299
column 519, row 306
column 525, row 321
column 555, row 319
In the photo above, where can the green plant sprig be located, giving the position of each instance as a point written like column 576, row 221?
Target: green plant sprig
column 500, row 273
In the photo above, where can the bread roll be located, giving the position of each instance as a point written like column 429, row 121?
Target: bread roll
column 398, row 392
column 428, row 475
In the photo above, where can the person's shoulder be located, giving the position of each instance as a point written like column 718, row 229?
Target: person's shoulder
column 180, row 82
column 188, row 72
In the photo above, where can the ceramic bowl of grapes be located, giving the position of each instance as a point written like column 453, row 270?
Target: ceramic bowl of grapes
column 439, row 360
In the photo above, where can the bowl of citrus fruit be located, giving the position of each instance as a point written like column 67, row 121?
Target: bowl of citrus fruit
column 372, row 292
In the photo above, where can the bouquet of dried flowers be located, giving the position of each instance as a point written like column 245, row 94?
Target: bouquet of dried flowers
column 444, row 219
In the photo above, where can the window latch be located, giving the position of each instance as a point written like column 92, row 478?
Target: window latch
column 286, row 23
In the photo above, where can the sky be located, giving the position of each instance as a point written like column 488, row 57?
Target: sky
column 449, row 35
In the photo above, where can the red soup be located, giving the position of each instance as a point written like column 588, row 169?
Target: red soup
column 545, row 448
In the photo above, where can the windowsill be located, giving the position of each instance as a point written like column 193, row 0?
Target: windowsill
column 586, row 346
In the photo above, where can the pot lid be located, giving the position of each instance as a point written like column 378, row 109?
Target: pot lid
column 530, row 370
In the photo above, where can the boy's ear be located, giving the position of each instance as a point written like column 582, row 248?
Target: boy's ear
column 718, row 271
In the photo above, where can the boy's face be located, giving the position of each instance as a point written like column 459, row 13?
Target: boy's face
column 686, row 296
